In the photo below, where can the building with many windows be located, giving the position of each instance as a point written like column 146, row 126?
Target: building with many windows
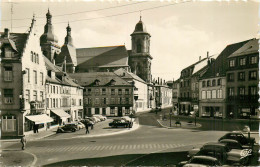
column 64, row 97
column 189, row 85
column 242, row 81
column 22, row 83
column 105, row 93
column 212, row 85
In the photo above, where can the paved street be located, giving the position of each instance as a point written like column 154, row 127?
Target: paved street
column 149, row 138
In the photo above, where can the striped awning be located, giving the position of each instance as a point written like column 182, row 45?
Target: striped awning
column 39, row 119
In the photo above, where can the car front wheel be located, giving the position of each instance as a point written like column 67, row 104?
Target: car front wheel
column 73, row 130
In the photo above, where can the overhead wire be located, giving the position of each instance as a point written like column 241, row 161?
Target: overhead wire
column 95, row 10
column 125, row 13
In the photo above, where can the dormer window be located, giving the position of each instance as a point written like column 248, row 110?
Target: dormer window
column 231, row 63
column 96, row 82
column 112, row 82
column 8, row 53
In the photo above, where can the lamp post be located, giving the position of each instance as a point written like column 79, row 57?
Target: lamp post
column 171, row 118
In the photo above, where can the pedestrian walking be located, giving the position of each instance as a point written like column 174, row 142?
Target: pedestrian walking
column 23, row 141
column 87, row 131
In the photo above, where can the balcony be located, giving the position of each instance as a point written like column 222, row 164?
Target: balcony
column 185, row 99
column 244, row 98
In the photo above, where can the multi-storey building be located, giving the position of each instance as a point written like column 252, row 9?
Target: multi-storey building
column 22, row 84
column 163, row 94
column 105, row 93
column 144, row 98
column 175, row 95
column 189, row 85
column 64, row 97
column 212, row 85
column 242, row 81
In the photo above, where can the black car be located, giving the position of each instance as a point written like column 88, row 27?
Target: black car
column 239, row 136
column 120, row 123
column 201, row 161
column 67, row 128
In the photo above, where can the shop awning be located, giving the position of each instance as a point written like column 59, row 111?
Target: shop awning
column 61, row 113
column 39, row 119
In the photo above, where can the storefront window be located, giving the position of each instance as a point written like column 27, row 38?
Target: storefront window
column 9, row 123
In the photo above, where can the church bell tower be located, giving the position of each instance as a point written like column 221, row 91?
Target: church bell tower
column 140, row 58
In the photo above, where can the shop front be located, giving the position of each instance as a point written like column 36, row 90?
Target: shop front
column 60, row 116
column 36, row 122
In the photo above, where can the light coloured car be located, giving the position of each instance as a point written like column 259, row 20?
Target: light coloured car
column 126, row 118
column 81, row 125
column 102, row 118
column 96, row 119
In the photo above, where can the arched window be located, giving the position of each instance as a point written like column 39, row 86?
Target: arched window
column 32, row 56
column 138, row 46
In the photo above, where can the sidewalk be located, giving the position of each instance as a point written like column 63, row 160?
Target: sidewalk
column 14, row 156
column 171, row 124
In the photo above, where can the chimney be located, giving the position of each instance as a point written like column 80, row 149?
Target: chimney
column 161, row 82
column 207, row 54
column 172, row 79
column 7, row 33
column 164, row 82
column 158, row 80
column 200, row 58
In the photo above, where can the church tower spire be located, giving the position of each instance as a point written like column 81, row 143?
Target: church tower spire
column 140, row 58
column 68, row 38
column 48, row 40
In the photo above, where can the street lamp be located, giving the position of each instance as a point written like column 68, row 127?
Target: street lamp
column 171, row 118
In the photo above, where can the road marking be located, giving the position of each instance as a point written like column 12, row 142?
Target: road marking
column 123, row 147
column 134, row 146
column 126, row 147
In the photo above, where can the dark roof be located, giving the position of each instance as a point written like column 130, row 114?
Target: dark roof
column 87, row 79
column 250, row 47
column 51, row 66
column 219, row 66
column 17, row 40
column 112, row 56
column 70, row 53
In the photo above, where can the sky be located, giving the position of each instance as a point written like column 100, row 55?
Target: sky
column 181, row 31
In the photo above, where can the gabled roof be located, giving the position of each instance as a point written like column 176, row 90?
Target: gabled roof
column 127, row 75
column 219, row 66
column 250, row 47
column 70, row 53
column 16, row 40
column 102, row 57
column 87, row 79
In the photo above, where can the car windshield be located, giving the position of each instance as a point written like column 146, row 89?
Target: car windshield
column 203, row 161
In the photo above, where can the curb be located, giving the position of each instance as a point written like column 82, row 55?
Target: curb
column 198, row 126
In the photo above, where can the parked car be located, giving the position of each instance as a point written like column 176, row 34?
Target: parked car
column 223, row 153
column 67, row 128
column 102, row 118
column 81, row 125
column 120, row 123
column 126, row 118
column 96, row 119
column 201, row 161
column 239, row 136
column 88, row 122
column 91, row 119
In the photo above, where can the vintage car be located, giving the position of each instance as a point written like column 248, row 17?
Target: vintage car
column 222, row 152
column 88, row 122
column 67, row 128
column 240, row 137
column 120, row 123
column 200, row 161
column 101, row 117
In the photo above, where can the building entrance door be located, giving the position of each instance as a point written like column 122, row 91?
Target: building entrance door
column 120, row 111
